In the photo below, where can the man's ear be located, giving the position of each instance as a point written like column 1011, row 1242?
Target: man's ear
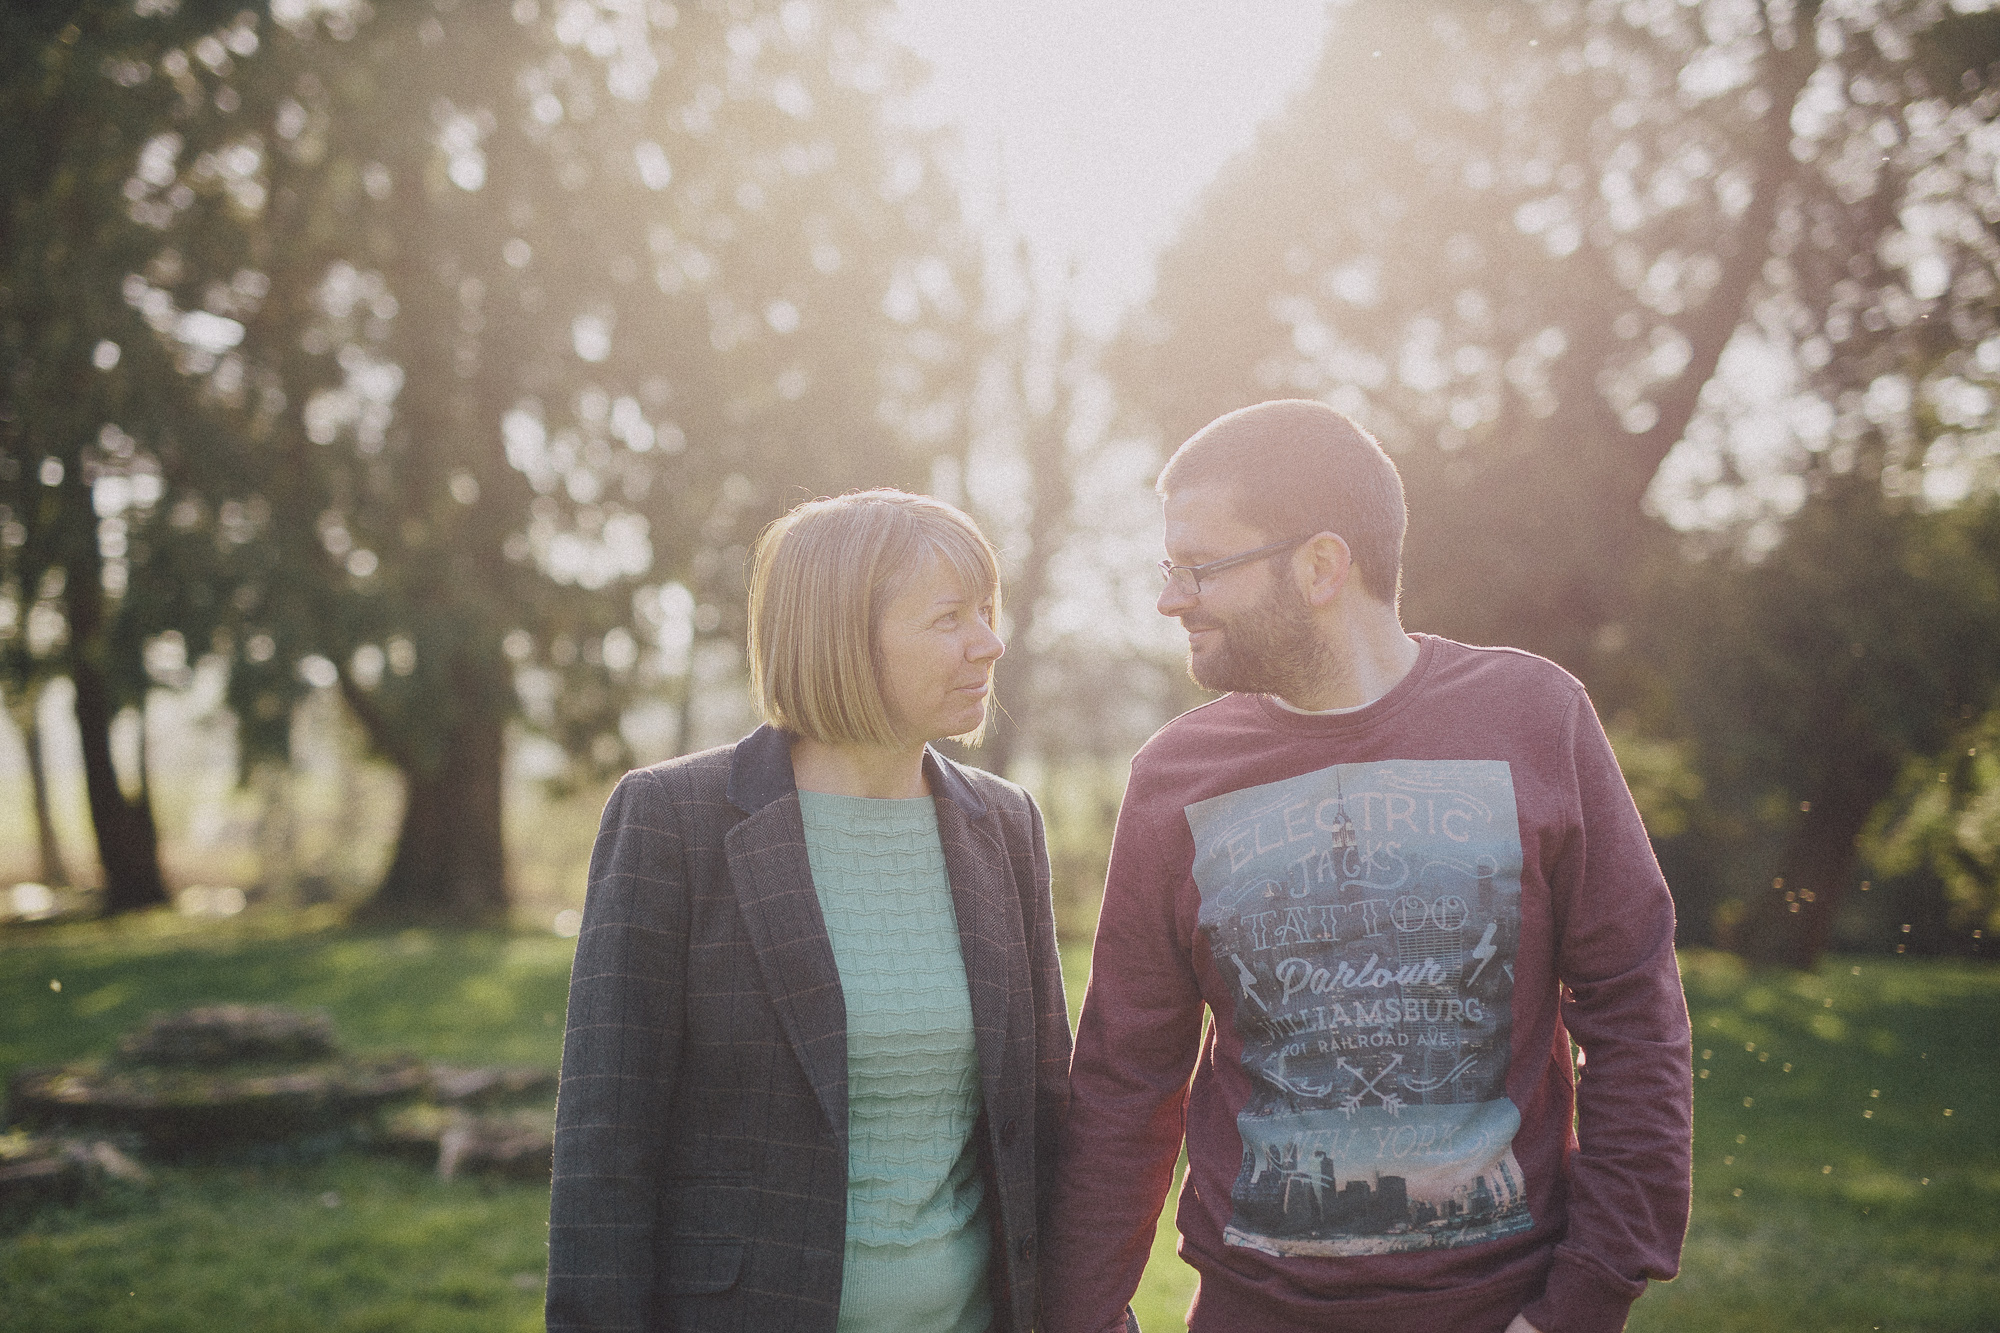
column 1327, row 565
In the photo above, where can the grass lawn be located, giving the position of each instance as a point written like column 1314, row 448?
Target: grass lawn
column 346, row 1244
column 1847, row 1069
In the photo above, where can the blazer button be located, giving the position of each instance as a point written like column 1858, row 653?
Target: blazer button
column 1028, row 1246
column 1009, row 1131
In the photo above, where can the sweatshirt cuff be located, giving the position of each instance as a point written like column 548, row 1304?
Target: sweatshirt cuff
column 1582, row 1298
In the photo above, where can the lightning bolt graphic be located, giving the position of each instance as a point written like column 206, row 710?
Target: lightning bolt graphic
column 1484, row 953
column 1248, row 980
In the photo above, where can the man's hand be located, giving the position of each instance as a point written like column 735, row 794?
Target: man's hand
column 1521, row 1325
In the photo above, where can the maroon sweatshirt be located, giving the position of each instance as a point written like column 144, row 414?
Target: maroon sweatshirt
column 1399, row 918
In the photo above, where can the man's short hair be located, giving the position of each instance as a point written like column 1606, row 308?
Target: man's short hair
column 819, row 579
column 1295, row 467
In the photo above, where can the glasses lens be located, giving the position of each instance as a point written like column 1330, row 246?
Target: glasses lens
column 1182, row 580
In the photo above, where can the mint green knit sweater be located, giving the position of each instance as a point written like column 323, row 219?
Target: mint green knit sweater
column 917, row 1232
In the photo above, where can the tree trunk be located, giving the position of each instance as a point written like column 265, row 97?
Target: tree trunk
column 128, row 841
column 277, row 830
column 1047, row 523
column 1052, row 500
column 27, row 710
column 1790, row 923
column 450, row 866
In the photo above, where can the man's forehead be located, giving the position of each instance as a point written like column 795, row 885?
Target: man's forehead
column 1204, row 516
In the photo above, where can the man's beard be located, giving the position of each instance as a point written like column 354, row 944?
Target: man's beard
column 1272, row 648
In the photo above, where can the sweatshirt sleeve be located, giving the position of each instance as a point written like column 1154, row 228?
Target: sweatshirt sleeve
column 1136, row 1045
column 1630, row 1175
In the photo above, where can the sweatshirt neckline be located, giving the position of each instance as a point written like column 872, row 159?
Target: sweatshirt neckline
column 1368, row 714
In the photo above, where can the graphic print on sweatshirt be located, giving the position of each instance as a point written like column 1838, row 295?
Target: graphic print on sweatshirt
column 1366, row 917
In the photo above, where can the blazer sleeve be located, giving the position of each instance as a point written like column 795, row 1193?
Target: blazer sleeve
column 1052, row 1035
column 621, row 1049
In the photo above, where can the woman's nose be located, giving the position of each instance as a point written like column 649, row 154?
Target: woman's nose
column 987, row 646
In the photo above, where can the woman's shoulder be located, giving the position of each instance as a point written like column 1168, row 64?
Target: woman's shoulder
column 996, row 792
column 684, row 777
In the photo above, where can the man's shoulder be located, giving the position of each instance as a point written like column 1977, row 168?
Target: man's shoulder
column 1479, row 667
column 1200, row 726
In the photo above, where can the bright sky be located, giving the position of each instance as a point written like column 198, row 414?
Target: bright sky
column 1103, row 119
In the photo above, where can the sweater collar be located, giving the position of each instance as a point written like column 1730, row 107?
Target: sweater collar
column 760, row 772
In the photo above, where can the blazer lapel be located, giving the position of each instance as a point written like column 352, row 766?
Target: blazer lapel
column 773, row 882
column 990, row 936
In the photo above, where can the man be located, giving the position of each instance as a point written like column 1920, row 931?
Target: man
column 1403, row 875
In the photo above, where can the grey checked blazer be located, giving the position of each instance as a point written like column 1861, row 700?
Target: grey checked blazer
column 701, row 1125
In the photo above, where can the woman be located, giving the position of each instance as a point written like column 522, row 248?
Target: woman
column 817, row 1045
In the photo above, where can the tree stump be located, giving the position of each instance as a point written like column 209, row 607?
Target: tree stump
column 229, row 1034
column 229, row 1077
column 215, row 1078
column 35, row 1170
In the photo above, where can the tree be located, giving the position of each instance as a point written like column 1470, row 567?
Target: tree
column 1528, row 283
column 1880, row 297
column 96, row 398
column 1813, row 676
column 554, row 308
column 25, row 710
column 1521, row 283
column 1023, row 410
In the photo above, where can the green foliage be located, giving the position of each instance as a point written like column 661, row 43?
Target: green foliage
column 1666, row 785
column 1944, row 820
column 1079, row 802
column 1808, row 680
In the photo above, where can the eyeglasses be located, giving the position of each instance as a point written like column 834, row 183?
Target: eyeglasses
column 1186, row 579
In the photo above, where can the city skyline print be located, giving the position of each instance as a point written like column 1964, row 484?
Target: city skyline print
column 1366, row 918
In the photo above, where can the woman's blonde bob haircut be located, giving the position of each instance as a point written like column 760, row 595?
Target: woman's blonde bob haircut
column 819, row 580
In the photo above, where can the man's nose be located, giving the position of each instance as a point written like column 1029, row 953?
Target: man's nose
column 1174, row 602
